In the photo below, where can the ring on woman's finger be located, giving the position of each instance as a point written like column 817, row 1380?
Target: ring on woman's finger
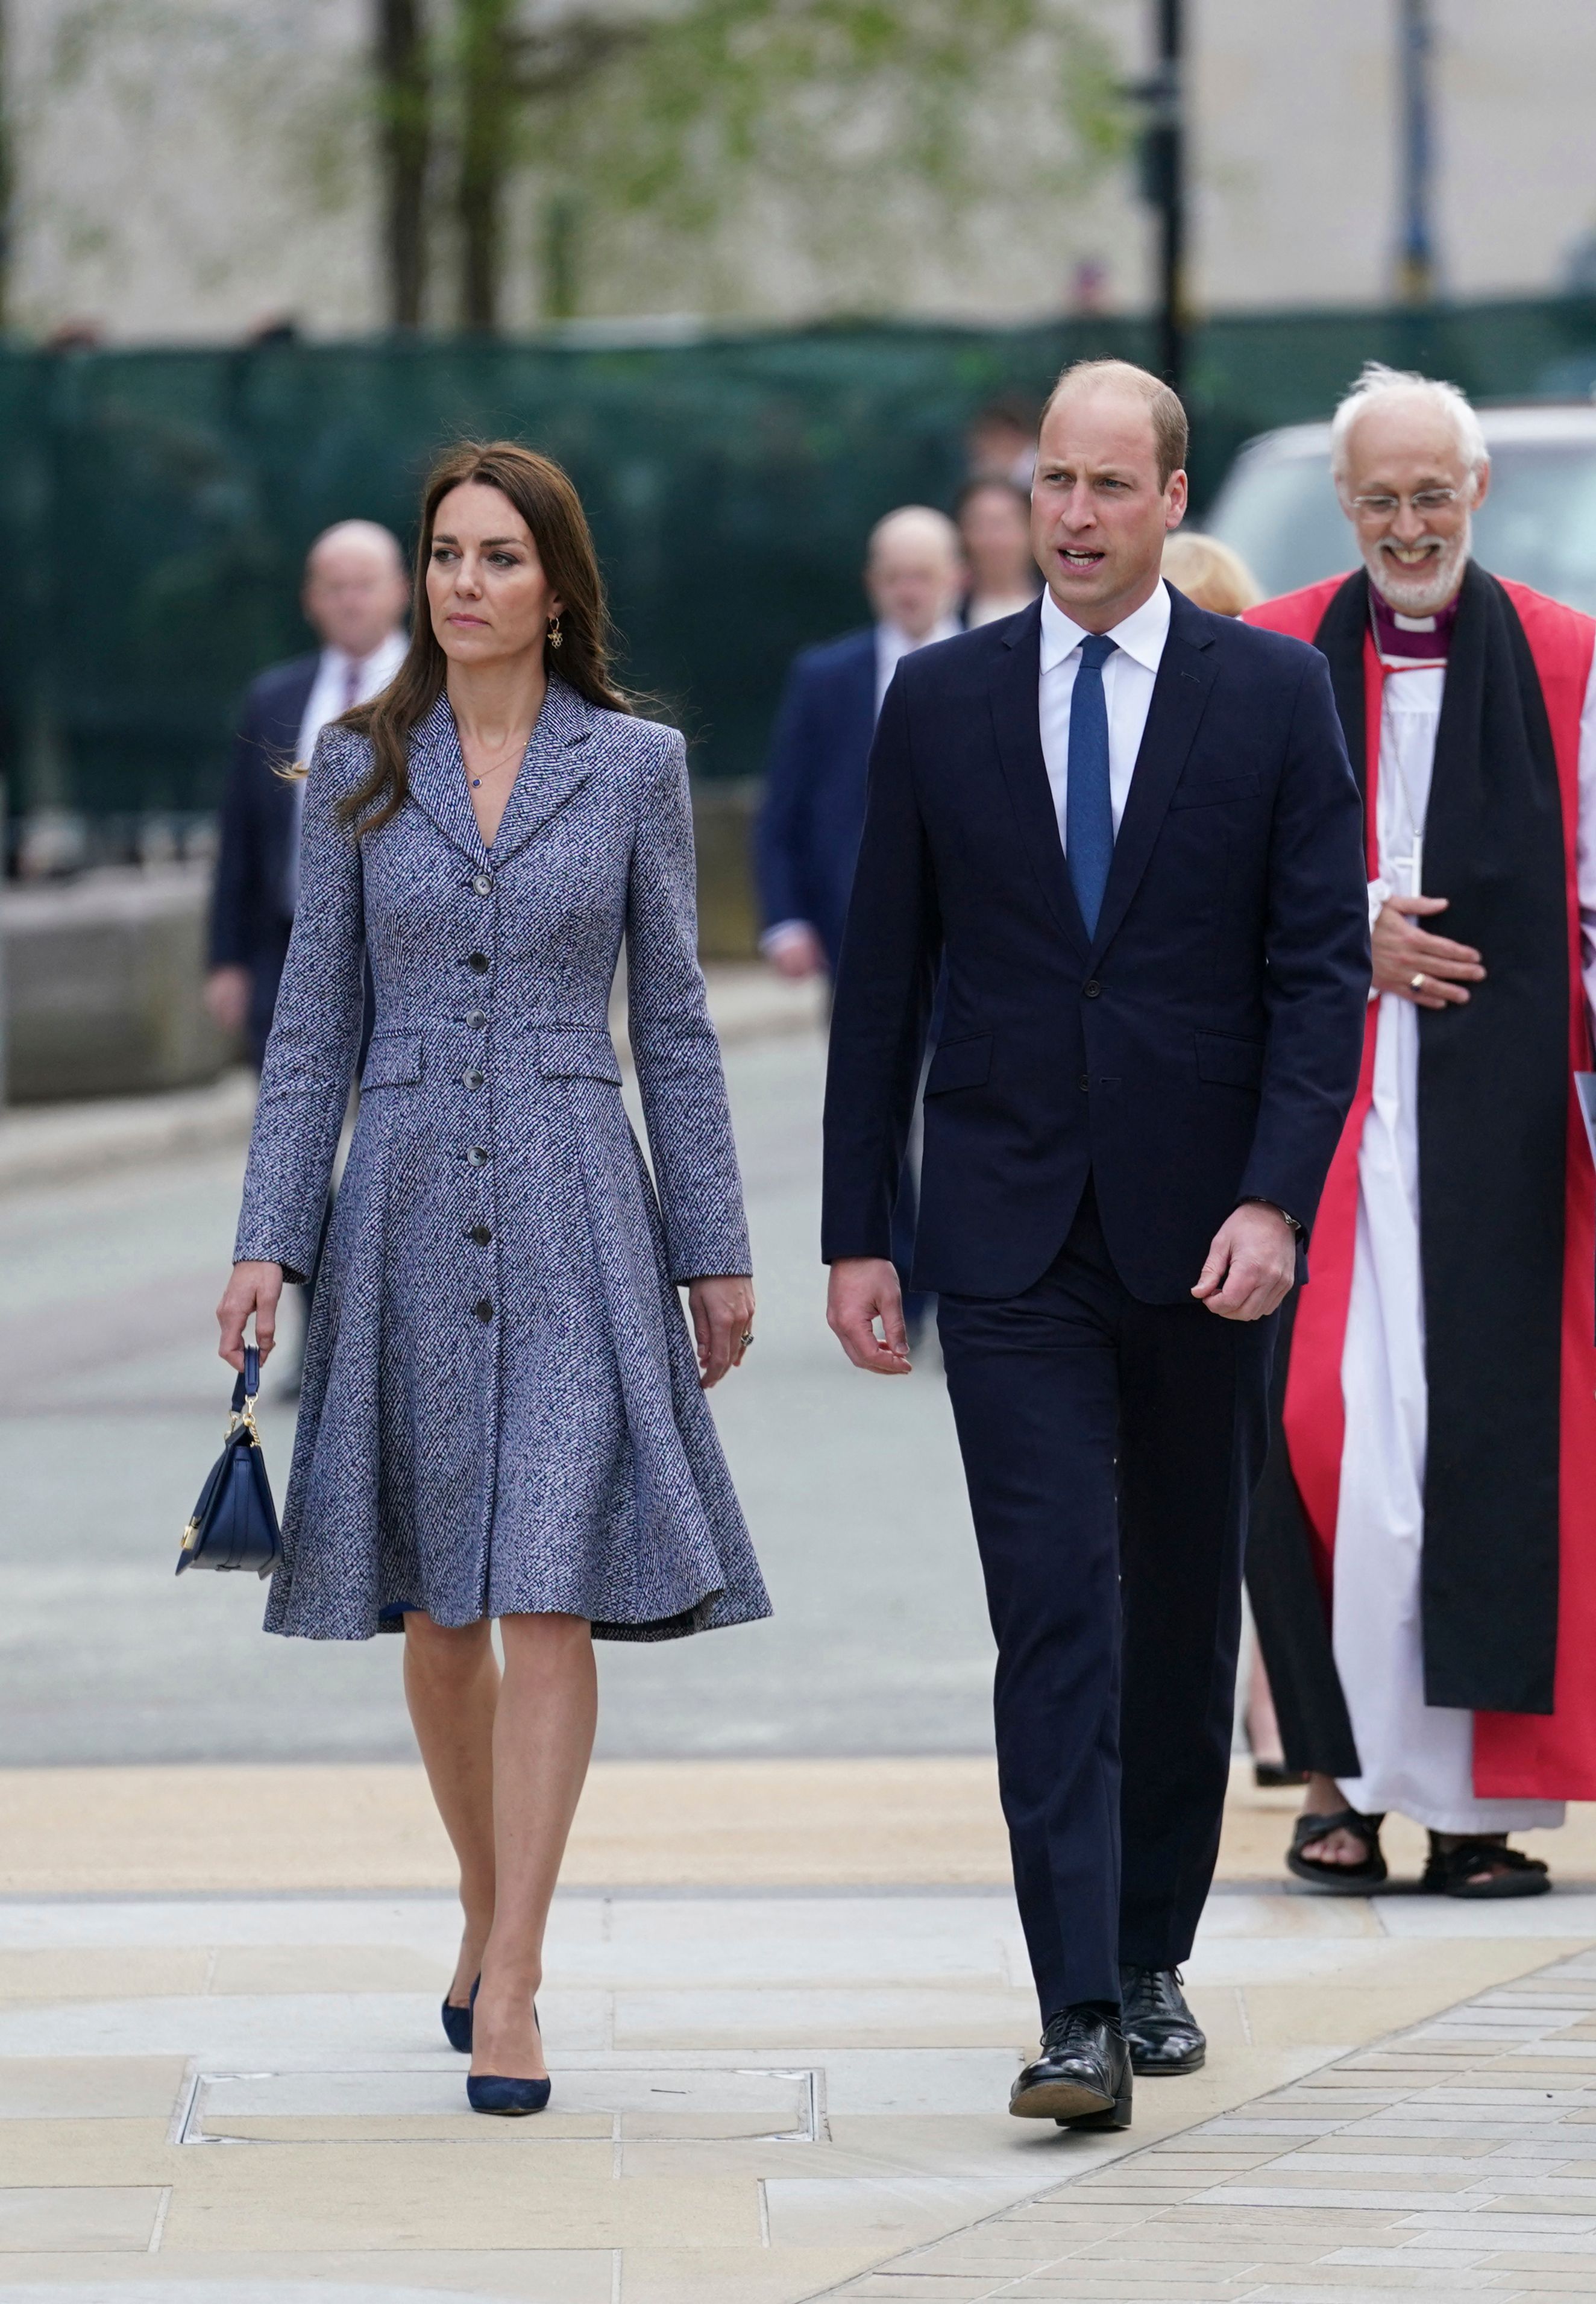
column 746, row 1339
column 1418, row 983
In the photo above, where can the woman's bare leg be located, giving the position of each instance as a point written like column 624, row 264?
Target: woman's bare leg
column 542, row 1740
column 452, row 1686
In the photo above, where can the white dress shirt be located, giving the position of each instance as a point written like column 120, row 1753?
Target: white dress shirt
column 1128, row 678
column 341, row 680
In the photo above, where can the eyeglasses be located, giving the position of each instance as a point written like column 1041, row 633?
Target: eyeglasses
column 1423, row 501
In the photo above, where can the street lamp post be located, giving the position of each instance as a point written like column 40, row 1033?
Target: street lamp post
column 1164, row 181
column 1415, row 258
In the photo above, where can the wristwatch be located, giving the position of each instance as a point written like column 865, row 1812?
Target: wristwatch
column 1256, row 1200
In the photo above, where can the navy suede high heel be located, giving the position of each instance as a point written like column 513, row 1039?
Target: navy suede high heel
column 457, row 2023
column 485, row 2092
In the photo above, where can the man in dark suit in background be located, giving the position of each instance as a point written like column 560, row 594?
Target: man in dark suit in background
column 356, row 594
column 1126, row 834
column 807, row 837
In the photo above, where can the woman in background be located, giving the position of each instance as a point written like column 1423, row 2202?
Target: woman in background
column 1210, row 574
column 994, row 528
column 502, row 1417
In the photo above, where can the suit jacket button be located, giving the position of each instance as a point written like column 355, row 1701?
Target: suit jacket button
column 477, row 1157
column 478, row 963
column 473, row 1079
column 1084, row 1080
column 1092, row 989
column 480, row 1234
column 483, row 885
column 483, row 1311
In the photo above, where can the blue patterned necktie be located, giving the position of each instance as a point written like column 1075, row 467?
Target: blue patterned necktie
column 1088, row 808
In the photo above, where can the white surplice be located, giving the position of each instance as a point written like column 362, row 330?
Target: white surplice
column 1418, row 1758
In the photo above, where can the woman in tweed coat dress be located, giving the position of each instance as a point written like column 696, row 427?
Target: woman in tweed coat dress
column 501, row 1414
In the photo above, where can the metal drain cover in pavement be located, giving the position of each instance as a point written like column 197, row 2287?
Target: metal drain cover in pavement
column 695, row 2105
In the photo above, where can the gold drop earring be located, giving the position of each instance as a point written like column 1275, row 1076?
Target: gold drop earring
column 556, row 638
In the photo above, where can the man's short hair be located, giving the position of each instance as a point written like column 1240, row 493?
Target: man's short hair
column 919, row 521
column 1375, row 383
column 1171, row 435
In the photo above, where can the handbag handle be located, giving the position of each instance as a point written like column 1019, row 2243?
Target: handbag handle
column 248, row 1382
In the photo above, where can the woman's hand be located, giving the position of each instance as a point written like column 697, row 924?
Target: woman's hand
column 722, row 1313
column 254, row 1289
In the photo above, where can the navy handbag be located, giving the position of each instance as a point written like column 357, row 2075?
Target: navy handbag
column 234, row 1524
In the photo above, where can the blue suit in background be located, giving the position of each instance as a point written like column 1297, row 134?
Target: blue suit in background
column 807, row 841
column 252, row 903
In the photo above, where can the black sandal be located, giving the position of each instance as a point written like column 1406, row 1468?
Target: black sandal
column 1450, row 1871
column 1337, row 1879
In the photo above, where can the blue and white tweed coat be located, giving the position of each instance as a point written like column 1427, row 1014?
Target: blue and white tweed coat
column 500, row 1408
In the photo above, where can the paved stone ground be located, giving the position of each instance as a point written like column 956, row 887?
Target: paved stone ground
column 112, row 1403
column 760, row 2098
column 1457, row 2159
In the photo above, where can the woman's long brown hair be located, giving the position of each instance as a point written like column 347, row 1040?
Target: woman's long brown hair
column 548, row 502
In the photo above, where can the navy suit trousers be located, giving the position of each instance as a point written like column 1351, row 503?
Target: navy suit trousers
column 1111, row 1448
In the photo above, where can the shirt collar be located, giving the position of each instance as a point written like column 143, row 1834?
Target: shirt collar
column 1142, row 635
column 890, row 640
column 381, row 665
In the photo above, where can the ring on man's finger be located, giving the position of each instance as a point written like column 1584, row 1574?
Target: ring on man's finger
column 1418, row 982
column 746, row 1339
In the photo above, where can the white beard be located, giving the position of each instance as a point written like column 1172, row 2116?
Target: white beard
column 1420, row 591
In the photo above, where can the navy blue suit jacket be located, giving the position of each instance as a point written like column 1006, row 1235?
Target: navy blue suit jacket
column 249, row 916
column 806, row 841
column 1202, row 1048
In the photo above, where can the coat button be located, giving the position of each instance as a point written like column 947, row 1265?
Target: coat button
column 473, row 1079
column 480, row 1234
column 477, row 1157
column 478, row 963
column 483, row 885
column 483, row 1310
column 1092, row 989
column 477, row 1019
column 1085, row 1082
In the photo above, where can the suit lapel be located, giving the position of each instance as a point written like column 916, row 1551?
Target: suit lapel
column 1017, row 727
column 1186, row 673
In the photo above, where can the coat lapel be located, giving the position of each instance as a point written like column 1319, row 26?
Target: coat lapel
column 438, row 780
column 557, row 765
column 1186, row 673
column 1017, row 727
column 553, row 769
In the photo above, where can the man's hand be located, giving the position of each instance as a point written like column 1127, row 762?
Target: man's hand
column 864, row 1288
column 795, row 952
column 1404, row 952
column 253, row 1289
column 227, row 997
column 1251, row 1266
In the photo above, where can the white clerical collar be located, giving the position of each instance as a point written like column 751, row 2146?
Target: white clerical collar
column 1142, row 635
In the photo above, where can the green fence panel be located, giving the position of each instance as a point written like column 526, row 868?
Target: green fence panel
column 155, row 506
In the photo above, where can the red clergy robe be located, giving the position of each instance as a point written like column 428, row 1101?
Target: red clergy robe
column 1517, row 1755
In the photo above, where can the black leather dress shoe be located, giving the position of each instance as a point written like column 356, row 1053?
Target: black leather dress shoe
column 1163, row 2034
column 1081, row 2078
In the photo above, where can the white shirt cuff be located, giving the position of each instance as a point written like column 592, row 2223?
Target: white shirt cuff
column 784, row 932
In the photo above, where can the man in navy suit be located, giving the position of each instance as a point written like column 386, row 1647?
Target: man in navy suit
column 1127, row 833
column 355, row 597
column 806, row 841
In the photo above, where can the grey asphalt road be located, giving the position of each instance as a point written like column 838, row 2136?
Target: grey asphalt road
column 112, row 1404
